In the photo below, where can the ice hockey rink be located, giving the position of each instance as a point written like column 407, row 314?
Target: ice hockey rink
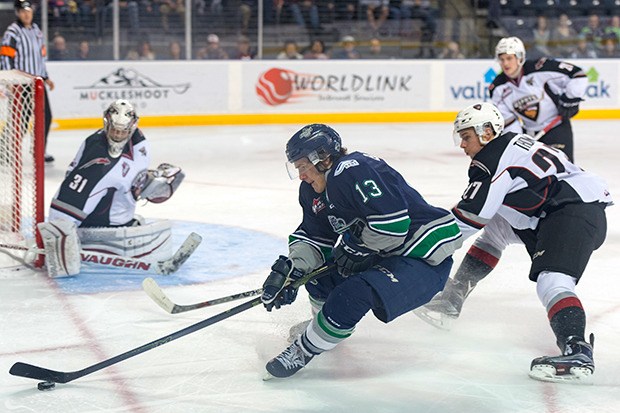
column 238, row 196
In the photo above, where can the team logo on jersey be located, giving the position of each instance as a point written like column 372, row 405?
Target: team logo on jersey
column 142, row 150
column 528, row 106
column 317, row 205
column 338, row 224
column 126, row 168
column 345, row 165
column 96, row 161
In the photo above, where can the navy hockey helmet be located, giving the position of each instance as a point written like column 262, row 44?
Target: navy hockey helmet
column 317, row 142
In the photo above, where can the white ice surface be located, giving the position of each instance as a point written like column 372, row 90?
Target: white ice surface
column 236, row 177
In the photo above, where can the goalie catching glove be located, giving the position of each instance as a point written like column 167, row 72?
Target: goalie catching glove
column 276, row 288
column 157, row 185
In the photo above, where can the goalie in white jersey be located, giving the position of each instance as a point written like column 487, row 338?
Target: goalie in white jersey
column 537, row 97
column 108, row 175
column 522, row 191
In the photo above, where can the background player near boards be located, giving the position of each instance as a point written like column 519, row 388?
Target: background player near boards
column 522, row 191
column 108, row 175
column 545, row 95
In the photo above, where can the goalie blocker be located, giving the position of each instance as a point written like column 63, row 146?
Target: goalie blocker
column 66, row 246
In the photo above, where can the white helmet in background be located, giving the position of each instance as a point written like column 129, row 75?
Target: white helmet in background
column 119, row 122
column 479, row 116
column 511, row 45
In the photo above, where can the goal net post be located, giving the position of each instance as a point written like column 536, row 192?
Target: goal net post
column 22, row 152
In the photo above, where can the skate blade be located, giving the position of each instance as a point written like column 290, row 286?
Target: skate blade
column 546, row 372
column 438, row 320
column 268, row 377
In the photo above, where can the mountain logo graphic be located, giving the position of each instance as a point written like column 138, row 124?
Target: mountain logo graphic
column 126, row 78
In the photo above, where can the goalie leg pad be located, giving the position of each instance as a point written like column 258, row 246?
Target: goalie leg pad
column 62, row 247
column 150, row 242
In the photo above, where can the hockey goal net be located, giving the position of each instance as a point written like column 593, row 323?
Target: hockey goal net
column 22, row 150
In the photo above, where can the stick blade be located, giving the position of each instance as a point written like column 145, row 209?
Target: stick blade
column 38, row 373
column 183, row 253
column 153, row 290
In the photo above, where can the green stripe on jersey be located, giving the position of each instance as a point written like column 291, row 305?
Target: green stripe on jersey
column 430, row 240
column 397, row 227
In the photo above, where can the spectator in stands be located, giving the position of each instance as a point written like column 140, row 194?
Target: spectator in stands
column 451, row 51
column 584, row 49
column 614, row 28
column 244, row 13
column 610, row 47
column 541, row 36
column 290, row 51
column 170, row 7
column 83, row 51
column 563, row 37
column 104, row 12
column 327, row 10
column 244, row 50
column 377, row 12
column 175, row 52
column 406, row 10
column 348, row 50
column 593, row 32
column 132, row 54
column 146, row 51
column 213, row 51
column 306, row 14
column 316, row 50
column 346, row 10
column 59, row 51
column 375, row 50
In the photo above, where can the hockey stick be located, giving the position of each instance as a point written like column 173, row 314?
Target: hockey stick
column 164, row 267
column 40, row 373
column 547, row 128
column 154, row 291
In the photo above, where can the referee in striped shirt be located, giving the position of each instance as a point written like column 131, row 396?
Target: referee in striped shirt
column 23, row 48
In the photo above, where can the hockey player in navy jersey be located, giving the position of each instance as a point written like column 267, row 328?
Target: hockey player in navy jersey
column 537, row 97
column 392, row 249
column 522, row 191
column 543, row 94
column 108, row 175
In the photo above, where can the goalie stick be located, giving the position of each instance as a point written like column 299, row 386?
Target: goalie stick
column 154, row 291
column 40, row 373
column 164, row 267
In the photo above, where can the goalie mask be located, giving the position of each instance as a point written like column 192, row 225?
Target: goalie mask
column 479, row 116
column 119, row 123
column 317, row 142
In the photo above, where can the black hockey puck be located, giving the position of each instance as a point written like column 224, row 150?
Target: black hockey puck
column 46, row 385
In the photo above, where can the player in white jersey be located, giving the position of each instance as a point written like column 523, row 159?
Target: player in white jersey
column 542, row 94
column 534, row 97
column 522, row 189
column 105, row 179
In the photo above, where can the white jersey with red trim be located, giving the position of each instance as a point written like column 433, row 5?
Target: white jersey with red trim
column 522, row 180
column 97, row 190
column 528, row 96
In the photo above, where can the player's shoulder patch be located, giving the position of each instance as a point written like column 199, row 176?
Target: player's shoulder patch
column 344, row 165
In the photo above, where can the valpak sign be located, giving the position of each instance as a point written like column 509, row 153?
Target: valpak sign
column 468, row 82
column 334, row 87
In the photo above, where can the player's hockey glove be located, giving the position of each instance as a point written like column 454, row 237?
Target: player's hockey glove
column 276, row 289
column 351, row 257
column 568, row 107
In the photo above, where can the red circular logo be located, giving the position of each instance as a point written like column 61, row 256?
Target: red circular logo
column 275, row 86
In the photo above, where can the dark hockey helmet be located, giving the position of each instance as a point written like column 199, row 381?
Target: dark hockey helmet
column 317, row 142
column 22, row 5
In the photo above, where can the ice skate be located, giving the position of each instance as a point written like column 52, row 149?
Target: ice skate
column 297, row 330
column 443, row 310
column 575, row 365
column 289, row 362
